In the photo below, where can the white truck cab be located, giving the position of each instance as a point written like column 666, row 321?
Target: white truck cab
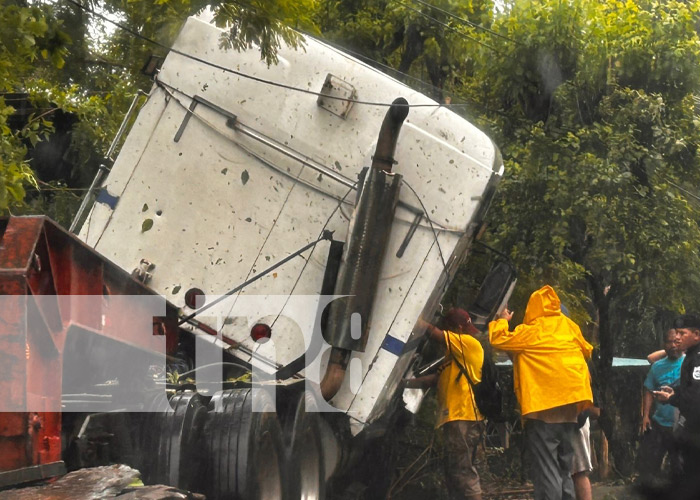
column 233, row 165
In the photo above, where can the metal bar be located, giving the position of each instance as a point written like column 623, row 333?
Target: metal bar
column 97, row 181
column 34, row 473
column 236, row 125
column 431, row 365
column 122, row 127
column 409, row 235
column 236, row 345
column 185, row 121
column 290, row 153
column 326, row 235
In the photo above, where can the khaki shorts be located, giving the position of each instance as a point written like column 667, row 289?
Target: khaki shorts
column 461, row 440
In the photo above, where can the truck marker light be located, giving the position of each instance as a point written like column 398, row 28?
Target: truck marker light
column 260, row 332
column 195, row 298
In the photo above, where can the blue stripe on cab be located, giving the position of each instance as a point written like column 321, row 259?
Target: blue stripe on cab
column 393, row 345
column 106, row 198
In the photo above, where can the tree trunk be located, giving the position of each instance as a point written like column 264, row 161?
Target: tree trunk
column 618, row 406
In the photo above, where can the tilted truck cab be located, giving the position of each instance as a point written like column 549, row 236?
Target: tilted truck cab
column 283, row 229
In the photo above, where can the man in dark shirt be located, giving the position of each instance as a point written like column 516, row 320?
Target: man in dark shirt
column 686, row 398
column 657, row 427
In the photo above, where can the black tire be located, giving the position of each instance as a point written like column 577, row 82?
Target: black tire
column 305, row 460
column 172, row 441
column 245, row 450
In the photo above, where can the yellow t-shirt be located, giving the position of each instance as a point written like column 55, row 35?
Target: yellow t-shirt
column 455, row 399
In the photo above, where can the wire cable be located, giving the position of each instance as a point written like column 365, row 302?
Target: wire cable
column 257, row 78
column 398, row 310
column 306, row 263
column 220, row 363
column 468, row 22
column 325, row 235
column 393, row 72
column 445, row 25
column 170, row 91
column 432, row 227
column 692, row 195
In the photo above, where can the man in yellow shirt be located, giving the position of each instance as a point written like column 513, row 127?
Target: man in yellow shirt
column 462, row 424
column 552, row 384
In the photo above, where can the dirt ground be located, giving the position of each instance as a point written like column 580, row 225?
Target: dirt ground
column 611, row 491
column 418, row 472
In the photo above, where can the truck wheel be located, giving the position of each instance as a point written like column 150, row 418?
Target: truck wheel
column 174, row 451
column 305, row 465
column 245, row 450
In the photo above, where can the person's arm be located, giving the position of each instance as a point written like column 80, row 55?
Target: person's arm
column 502, row 338
column 666, row 394
column 593, row 412
column 656, row 356
column 586, row 347
column 423, row 382
column 647, row 401
column 432, row 331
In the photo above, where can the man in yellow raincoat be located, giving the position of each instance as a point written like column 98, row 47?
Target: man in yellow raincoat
column 552, row 384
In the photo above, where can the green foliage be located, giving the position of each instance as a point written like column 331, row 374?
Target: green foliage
column 598, row 134
column 27, row 39
column 265, row 24
column 592, row 105
column 65, row 57
column 420, row 39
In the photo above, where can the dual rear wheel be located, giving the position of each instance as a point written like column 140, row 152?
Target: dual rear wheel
column 234, row 446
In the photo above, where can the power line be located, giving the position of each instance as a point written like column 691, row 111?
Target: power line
column 393, row 71
column 447, row 26
column 256, row 78
column 467, row 21
column 689, row 193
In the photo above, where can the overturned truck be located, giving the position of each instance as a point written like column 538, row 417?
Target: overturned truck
column 241, row 304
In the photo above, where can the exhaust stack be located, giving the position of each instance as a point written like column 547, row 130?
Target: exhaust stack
column 378, row 194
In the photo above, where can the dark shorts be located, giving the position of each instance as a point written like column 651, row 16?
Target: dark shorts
column 551, row 452
column 461, row 440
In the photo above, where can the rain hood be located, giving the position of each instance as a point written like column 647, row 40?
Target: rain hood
column 549, row 355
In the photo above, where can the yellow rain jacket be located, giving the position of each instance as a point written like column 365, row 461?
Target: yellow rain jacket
column 455, row 396
column 549, row 356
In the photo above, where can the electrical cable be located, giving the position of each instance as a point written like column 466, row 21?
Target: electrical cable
column 170, row 91
column 328, row 220
column 267, row 237
column 326, row 235
column 432, row 227
column 220, row 363
column 295, row 366
column 692, row 195
column 252, row 77
column 467, row 21
column 445, row 25
column 420, row 83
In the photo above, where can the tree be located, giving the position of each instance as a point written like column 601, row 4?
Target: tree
column 597, row 125
column 424, row 40
column 66, row 59
column 28, row 37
